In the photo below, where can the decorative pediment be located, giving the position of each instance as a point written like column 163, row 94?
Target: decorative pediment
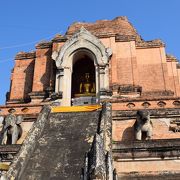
column 83, row 39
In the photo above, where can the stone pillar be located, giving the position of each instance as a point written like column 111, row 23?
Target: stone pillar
column 59, row 79
column 106, row 77
column 104, row 82
column 66, row 87
column 42, row 72
column 102, row 75
column 97, row 84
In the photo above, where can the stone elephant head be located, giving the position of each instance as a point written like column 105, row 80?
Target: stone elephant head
column 143, row 124
column 11, row 130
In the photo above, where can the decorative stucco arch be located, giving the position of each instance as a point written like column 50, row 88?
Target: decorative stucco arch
column 84, row 41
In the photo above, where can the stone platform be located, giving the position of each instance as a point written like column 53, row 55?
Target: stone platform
column 81, row 101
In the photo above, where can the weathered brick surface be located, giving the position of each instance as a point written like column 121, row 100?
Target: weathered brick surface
column 123, row 130
column 154, row 166
column 123, row 122
column 119, row 25
column 21, row 109
column 42, row 70
column 138, row 103
column 125, row 75
column 151, row 77
column 22, row 79
column 153, row 159
column 170, row 175
column 133, row 62
column 57, row 45
column 154, row 70
column 161, row 148
column 114, row 70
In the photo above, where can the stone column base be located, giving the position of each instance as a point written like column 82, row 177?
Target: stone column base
column 37, row 97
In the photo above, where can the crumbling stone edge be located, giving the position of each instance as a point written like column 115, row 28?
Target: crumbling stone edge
column 21, row 159
column 98, row 160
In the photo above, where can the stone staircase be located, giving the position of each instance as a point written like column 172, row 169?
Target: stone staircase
column 56, row 146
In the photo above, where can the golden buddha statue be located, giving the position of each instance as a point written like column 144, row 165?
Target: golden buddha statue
column 86, row 87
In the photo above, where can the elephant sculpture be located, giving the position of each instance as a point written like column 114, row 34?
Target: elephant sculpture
column 142, row 125
column 11, row 130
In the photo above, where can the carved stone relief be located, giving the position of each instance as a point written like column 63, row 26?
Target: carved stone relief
column 142, row 125
column 11, row 130
column 130, row 105
column 161, row 104
column 175, row 125
column 146, row 105
column 82, row 41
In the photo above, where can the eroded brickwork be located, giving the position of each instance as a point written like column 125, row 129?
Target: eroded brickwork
column 124, row 130
column 22, row 77
column 42, row 68
column 134, row 61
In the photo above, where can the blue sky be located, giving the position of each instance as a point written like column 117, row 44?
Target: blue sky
column 24, row 23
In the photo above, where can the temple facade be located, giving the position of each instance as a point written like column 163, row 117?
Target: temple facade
column 112, row 52
column 109, row 67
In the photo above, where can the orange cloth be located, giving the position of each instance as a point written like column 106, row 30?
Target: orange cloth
column 75, row 108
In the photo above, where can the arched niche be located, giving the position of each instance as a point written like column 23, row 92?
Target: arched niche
column 81, row 43
column 83, row 75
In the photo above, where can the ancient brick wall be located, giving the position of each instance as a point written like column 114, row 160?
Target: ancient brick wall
column 42, row 70
column 162, row 120
column 151, row 166
column 123, row 130
column 23, row 109
column 151, row 75
column 22, row 77
column 146, row 66
column 154, row 159
column 134, row 62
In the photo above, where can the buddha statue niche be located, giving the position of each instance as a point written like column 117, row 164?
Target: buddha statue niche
column 86, row 87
